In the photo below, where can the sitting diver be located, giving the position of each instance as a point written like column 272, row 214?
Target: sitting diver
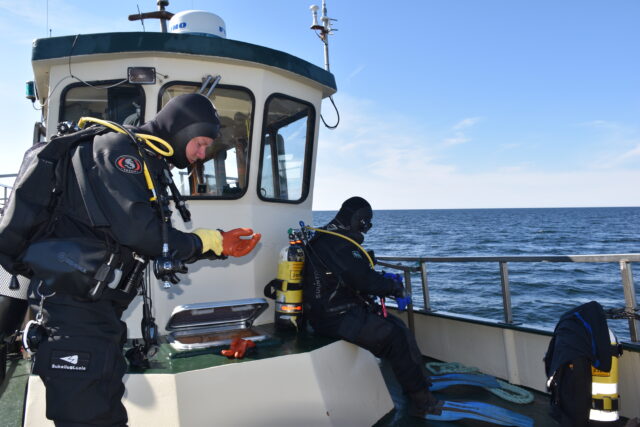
column 81, row 363
column 340, row 285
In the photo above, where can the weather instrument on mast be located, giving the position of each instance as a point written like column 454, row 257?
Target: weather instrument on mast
column 323, row 31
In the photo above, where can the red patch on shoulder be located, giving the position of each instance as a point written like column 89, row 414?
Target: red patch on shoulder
column 129, row 164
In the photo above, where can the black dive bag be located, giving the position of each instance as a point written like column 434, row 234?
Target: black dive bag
column 40, row 181
column 580, row 339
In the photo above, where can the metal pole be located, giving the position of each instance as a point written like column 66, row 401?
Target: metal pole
column 407, row 284
column 163, row 22
column 629, row 298
column 326, row 31
column 326, row 54
column 425, row 286
column 506, row 293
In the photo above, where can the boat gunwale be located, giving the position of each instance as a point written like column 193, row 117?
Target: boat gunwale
column 627, row 345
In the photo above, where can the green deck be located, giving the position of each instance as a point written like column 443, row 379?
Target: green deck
column 171, row 361
column 12, row 392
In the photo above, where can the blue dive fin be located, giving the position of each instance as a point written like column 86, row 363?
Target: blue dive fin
column 438, row 382
column 453, row 411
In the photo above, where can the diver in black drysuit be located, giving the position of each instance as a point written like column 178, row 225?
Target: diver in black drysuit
column 81, row 363
column 339, row 283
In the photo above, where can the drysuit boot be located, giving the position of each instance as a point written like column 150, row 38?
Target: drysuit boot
column 420, row 402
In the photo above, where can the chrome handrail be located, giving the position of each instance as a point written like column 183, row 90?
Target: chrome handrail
column 420, row 265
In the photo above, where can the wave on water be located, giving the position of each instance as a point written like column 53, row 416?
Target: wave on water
column 541, row 292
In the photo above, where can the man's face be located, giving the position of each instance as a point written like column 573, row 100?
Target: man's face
column 197, row 147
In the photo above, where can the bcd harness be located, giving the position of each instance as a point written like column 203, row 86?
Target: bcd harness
column 305, row 236
column 165, row 267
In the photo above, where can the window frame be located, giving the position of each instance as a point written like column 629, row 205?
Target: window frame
column 66, row 89
column 308, row 154
column 252, row 97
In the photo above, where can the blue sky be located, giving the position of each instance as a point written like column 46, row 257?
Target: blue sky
column 444, row 104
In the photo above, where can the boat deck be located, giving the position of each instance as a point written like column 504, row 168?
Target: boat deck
column 170, row 361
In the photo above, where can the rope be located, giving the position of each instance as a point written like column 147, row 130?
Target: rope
column 438, row 368
column 506, row 391
column 512, row 393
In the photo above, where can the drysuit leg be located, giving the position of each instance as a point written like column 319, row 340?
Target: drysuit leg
column 387, row 338
column 81, row 363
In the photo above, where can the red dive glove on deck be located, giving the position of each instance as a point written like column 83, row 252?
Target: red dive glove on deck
column 234, row 245
column 238, row 348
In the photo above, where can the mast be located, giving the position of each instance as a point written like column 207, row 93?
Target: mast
column 324, row 30
column 161, row 14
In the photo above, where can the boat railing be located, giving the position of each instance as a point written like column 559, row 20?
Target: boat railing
column 5, row 192
column 419, row 264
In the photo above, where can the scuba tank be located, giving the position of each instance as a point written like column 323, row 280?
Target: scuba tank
column 604, row 387
column 286, row 288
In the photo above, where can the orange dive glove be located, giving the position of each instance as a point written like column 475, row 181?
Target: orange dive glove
column 234, row 245
column 238, row 348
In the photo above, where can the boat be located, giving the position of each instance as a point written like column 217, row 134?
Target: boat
column 261, row 174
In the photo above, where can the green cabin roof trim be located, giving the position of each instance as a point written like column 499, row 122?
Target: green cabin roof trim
column 104, row 43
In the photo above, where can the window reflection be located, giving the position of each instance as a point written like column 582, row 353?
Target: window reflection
column 286, row 142
column 121, row 104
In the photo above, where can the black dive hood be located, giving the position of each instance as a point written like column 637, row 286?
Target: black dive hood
column 353, row 218
column 182, row 119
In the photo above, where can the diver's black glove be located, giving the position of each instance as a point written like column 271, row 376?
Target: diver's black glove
column 398, row 289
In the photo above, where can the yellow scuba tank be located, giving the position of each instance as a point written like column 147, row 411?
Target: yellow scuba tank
column 288, row 287
column 604, row 387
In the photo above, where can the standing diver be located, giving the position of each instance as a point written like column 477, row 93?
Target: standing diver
column 81, row 362
column 340, row 285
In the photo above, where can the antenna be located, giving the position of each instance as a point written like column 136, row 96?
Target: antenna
column 323, row 30
column 141, row 20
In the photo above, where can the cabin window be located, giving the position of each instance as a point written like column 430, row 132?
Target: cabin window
column 285, row 160
column 224, row 172
column 122, row 104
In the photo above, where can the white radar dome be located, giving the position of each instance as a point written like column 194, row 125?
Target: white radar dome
column 198, row 22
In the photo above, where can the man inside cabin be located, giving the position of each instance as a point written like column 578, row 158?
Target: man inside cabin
column 340, row 287
column 81, row 362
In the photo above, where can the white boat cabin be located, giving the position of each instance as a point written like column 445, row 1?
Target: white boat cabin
column 258, row 174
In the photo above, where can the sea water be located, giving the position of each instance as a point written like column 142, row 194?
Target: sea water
column 540, row 292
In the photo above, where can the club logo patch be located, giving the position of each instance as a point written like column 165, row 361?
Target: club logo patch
column 129, row 164
column 69, row 360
